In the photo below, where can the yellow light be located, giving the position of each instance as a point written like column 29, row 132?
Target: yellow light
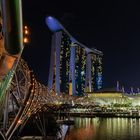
column 25, row 27
column 26, row 32
column 25, row 40
column 19, row 121
column 70, row 88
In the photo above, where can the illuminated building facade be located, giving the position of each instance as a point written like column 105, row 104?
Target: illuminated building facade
column 99, row 72
column 74, row 68
column 64, row 63
column 80, row 69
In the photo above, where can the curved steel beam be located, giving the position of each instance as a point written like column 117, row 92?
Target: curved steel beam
column 12, row 26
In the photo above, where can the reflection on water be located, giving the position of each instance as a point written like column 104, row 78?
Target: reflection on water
column 104, row 129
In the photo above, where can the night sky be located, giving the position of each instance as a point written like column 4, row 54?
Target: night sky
column 112, row 27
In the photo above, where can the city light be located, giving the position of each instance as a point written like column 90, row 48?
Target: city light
column 19, row 121
column 26, row 35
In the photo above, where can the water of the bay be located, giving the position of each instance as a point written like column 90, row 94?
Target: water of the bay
column 104, row 129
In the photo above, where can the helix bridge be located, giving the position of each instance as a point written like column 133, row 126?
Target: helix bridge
column 24, row 97
column 21, row 95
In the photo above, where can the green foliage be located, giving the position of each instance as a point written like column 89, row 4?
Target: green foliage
column 128, row 104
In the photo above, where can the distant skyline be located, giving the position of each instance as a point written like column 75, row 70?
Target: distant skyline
column 110, row 26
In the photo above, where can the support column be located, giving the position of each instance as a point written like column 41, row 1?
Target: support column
column 57, row 61
column 54, row 72
column 52, row 64
column 88, row 82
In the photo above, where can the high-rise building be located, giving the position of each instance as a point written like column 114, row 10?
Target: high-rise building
column 74, row 68
column 80, row 69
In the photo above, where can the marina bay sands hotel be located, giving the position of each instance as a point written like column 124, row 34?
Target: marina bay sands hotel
column 74, row 68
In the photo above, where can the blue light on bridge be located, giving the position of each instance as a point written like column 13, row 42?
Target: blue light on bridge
column 53, row 24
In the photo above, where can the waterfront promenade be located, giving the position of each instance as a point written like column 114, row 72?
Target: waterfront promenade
column 87, row 113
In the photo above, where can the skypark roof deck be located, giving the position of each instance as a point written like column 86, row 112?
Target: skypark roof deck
column 55, row 26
